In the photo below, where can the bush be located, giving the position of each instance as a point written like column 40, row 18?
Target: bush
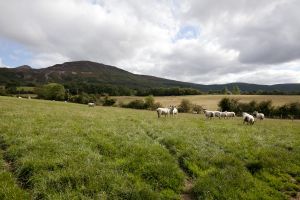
column 149, row 102
column 197, row 108
column 83, row 98
column 227, row 104
column 136, row 104
column 108, row 101
column 185, row 106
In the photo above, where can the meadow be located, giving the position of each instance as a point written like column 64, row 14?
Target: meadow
column 211, row 101
column 57, row 150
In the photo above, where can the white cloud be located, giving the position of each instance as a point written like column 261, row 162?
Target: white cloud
column 206, row 41
column 1, row 64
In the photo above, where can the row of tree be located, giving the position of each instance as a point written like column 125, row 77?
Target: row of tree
column 77, row 88
column 290, row 110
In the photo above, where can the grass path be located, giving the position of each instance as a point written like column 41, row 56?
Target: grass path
column 10, row 187
column 186, row 193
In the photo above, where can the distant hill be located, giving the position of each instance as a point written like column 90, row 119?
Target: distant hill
column 87, row 72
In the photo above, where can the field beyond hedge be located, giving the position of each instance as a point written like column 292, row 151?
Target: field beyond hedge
column 211, row 101
column 57, row 150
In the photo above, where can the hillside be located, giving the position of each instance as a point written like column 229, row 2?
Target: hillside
column 86, row 72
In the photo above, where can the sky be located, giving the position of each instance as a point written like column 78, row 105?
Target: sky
column 199, row 41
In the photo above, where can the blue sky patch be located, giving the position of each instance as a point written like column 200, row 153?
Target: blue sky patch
column 187, row 32
column 14, row 54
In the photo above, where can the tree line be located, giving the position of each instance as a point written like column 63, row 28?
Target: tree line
column 78, row 88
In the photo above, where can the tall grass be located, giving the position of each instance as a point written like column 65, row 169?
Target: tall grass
column 55, row 150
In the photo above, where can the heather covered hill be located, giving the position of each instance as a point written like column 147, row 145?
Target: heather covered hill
column 92, row 73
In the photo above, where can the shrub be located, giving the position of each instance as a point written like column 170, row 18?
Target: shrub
column 185, row 106
column 108, row 101
column 149, row 102
column 227, row 104
column 136, row 104
column 197, row 108
column 83, row 98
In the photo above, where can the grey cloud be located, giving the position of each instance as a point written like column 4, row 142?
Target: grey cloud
column 263, row 32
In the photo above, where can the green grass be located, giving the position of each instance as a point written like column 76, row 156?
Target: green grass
column 56, row 150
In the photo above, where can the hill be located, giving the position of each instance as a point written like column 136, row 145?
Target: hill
column 86, row 72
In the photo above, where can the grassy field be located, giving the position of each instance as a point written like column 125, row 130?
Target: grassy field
column 211, row 101
column 56, row 150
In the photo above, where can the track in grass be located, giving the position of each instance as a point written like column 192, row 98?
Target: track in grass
column 188, row 180
column 10, row 186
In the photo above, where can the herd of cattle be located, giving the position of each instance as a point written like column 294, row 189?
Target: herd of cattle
column 173, row 111
column 247, row 118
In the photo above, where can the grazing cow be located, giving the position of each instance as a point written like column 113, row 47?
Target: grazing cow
column 162, row 111
column 258, row 115
column 209, row 114
column 217, row 114
column 173, row 111
column 230, row 114
column 224, row 114
column 91, row 104
column 247, row 118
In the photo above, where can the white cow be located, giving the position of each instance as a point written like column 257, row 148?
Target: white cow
column 247, row 118
column 217, row 114
column 230, row 114
column 258, row 115
column 209, row 114
column 162, row 111
column 173, row 111
column 91, row 104
column 224, row 114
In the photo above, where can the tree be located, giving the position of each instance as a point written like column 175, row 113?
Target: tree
column 51, row 91
column 2, row 90
column 226, row 91
column 236, row 90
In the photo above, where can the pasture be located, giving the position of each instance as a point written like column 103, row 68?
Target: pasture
column 211, row 101
column 57, row 150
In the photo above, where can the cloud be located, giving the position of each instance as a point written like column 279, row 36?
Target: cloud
column 1, row 64
column 206, row 41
